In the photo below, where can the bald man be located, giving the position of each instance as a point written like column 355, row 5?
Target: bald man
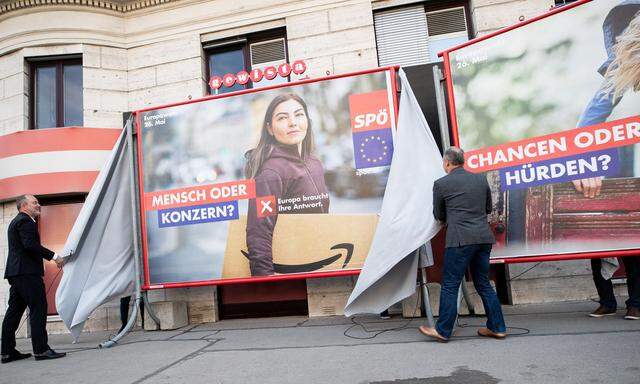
column 25, row 271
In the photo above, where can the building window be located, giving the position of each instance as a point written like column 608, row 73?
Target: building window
column 415, row 34
column 257, row 50
column 56, row 93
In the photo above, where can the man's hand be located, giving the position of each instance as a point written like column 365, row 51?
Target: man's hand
column 59, row 262
column 589, row 187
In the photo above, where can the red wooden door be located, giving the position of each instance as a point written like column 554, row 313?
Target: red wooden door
column 55, row 224
column 560, row 213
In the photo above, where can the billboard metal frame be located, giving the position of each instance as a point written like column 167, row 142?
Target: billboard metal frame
column 143, row 227
column 454, row 135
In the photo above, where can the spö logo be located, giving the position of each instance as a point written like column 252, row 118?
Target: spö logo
column 369, row 111
column 371, row 127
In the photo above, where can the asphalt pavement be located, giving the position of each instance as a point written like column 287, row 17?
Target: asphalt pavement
column 547, row 343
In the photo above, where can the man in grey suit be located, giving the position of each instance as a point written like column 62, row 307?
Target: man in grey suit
column 462, row 200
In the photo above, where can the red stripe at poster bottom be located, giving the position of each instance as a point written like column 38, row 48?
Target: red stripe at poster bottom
column 565, row 257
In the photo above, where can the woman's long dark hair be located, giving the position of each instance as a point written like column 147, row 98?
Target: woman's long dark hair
column 257, row 156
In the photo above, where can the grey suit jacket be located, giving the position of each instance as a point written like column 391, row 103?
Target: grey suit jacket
column 462, row 200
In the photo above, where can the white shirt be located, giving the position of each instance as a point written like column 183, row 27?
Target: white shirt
column 55, row 255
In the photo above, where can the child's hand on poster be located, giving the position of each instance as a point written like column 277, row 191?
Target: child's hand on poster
column 589, row 187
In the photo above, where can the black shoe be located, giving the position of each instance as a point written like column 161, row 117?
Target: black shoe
column 49, row 354
column 603, row 311
column 15, row 356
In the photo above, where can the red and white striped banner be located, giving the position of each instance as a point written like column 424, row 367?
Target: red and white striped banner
column 53, row 161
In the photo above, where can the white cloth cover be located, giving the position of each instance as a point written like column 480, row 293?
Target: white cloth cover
column 406, row 217
column 99, row 250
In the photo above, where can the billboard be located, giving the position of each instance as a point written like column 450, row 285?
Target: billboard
column 549, row 109
column 263, row 184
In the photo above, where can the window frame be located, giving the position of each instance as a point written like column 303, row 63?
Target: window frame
column 59, row 64
column 244, row 42
column 433, row 6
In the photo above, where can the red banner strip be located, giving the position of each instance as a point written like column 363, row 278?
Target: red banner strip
column 611, row 134
column 201, row 194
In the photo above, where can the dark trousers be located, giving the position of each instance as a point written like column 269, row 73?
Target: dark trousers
column 456, row 261
column 124, row 311
column 26, row 291
column 605, row 287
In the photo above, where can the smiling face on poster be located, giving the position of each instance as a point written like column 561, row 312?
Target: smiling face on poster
column 551, row 111
column 269, row 182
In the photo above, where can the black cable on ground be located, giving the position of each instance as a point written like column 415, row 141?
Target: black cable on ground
column 524, row 331
column 376, row 333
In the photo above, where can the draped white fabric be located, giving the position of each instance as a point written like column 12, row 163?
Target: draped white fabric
column 406, row 217
column 99, row 250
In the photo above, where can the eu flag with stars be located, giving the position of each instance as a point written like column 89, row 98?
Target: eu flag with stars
column 373, row 148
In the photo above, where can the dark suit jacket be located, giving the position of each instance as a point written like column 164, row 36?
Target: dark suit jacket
column 25, row 252
column 462, row 200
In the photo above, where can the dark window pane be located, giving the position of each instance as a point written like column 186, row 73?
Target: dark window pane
column 72, row 95
column 45, row 97
column 226, row 62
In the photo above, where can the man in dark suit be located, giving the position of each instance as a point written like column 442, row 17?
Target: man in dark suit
column 25, row 270
column 462, row 200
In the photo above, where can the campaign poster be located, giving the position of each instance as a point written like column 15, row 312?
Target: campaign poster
column 264, row 183
column 550, row 111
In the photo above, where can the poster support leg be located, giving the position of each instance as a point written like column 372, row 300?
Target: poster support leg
column 460, row 296
column 438, row 80
column 136, row 254
column 149, row 309
column 425, row 259
column 467, row 298
column 425, row 298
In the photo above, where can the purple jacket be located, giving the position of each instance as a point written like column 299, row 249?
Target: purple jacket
column 298, row 186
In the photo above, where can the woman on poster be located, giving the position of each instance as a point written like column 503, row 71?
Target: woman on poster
column 283, row 167
column 621, row 72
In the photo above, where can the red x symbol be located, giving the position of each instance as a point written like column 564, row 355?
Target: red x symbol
column 266, row 206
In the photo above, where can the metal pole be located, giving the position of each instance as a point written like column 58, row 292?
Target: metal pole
column 438, row 78
column 145, row 299
column 150, row 311
column 425, row 289
column 145, row 295
column 136, row 261
column 467, row 298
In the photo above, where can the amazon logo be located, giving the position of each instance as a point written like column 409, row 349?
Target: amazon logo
column 344, row 249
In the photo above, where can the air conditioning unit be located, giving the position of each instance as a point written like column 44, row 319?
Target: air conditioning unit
column 446, row 28
column 268, row 53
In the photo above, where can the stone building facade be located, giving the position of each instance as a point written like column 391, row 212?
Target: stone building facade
column 142, row 53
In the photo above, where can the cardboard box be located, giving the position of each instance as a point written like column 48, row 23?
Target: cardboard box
column 303, row 239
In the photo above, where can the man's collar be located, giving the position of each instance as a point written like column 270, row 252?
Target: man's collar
column 25, row 213
column 457, row 169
